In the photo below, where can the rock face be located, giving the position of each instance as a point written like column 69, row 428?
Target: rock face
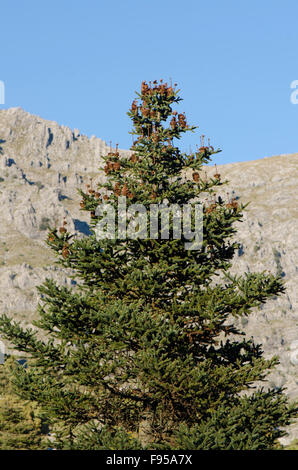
column 43, row 164
column 41, row 167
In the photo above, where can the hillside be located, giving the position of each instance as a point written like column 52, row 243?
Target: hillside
column 42, row 166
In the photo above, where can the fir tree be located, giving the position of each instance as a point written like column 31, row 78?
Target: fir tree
column 22, row 426
column 145, row 352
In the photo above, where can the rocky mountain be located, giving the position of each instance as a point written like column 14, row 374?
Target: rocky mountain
column 43, row 164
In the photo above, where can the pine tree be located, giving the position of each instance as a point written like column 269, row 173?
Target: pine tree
column 145, row 352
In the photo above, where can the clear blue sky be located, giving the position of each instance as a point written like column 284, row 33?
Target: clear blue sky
column 80, row 62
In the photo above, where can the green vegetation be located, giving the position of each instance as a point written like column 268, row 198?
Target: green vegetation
column 145, row 352
column 22, row 426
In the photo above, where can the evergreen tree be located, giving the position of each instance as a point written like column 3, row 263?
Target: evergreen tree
column 145, row 352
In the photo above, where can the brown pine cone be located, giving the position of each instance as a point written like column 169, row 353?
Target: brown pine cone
column 65, row 252
column 125, row 190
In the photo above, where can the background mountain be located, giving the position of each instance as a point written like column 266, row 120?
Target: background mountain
column 43, row 164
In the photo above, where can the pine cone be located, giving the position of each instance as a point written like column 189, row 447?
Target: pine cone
column 155, row 137
column 173, row 123
column 170, row 92
column 182, row 120
column 124, row 190
column 144, row 88
column 162, row 89
column 134, row 107
column 211, row 208
column 145, row 112
column 117, row 166
column 65, row 251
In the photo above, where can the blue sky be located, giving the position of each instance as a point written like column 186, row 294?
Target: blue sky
column 79, row 63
